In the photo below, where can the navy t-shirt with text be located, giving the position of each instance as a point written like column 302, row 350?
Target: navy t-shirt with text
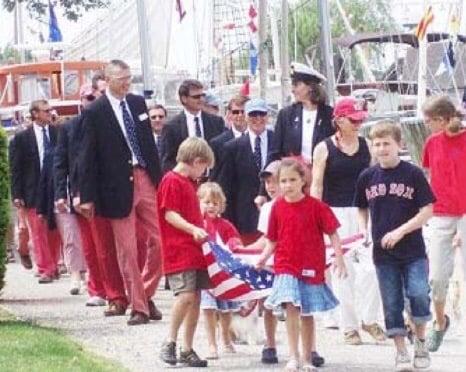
column 394, row 196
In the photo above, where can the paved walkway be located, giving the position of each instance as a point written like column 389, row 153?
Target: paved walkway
column 137, row 347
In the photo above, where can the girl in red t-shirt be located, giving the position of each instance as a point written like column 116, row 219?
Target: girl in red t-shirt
column 213, row 204
column 295, row 236
column 444, row 157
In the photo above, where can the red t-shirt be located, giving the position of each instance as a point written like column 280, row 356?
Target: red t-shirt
column 181, row 252
column 445, row 157
column 222, row 227
column 298, row 228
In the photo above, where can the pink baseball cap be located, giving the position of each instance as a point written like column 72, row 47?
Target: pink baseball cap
column 351, row 108
column 85, row 90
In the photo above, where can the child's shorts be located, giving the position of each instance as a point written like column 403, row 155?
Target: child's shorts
column 209, row 302
column 188, row 281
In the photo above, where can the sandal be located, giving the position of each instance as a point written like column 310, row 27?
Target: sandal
column 229, row 349
column 308, row 367
column 292, row 365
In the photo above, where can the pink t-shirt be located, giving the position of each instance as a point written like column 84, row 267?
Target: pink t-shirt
column 445, row 157
column 298, row 228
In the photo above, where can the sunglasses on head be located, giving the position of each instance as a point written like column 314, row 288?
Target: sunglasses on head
column 237, row 112
column 257, row 114
column 155, row 117
column 197, row 96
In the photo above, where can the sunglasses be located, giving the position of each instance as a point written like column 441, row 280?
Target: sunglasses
column 197, row 96
column 237, row 112
column 48, row 111
column 155, row 117
column 257, row 114
column 90, row 97
column 355, row 122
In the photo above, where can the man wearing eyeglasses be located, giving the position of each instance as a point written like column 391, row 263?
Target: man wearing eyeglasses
column 28, row 160
column 191, row 122
column 244, row 158
column 119, row 172
column 237, row 126
column 158, row 117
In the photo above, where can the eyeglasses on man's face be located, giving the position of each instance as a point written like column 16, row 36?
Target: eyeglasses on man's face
column 157, row 117
column 197, row 96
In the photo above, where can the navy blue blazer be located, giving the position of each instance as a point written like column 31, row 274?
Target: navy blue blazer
column 218, row 146
column 289, row 129
column 239, row 177
column 105, row 162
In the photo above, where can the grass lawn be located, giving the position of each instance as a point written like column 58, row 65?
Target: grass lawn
column 27, row 347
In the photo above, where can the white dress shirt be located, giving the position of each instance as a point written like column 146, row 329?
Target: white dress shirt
column 115, row 103
column 309, row 122
column 264, row 143
column 237, row 133
column 40, row 141
column 192, row 125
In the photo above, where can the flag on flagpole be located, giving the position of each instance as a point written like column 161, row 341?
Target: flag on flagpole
column 424, row 23
column 253, row 58
column 180, row 10
column 54, row 31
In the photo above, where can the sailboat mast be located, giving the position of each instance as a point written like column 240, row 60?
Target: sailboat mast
column 262, row 48
column 144, row 47
column 284, row 54
column 422, row 70
column 326, row 47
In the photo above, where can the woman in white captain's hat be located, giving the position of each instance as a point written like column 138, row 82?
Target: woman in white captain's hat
column 303, row 124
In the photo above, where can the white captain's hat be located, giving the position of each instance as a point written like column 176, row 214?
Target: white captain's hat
column 305, row 73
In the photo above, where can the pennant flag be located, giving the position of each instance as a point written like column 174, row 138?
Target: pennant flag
column 180, row 10
column 252, row 11
column 424, row 23
column 233, row 279
column 244, row 91
column 448, row 61
column 54, row 31
column 454, row 26
column 253, row 57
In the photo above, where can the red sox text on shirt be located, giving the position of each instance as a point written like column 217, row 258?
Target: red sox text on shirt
column 398, row 189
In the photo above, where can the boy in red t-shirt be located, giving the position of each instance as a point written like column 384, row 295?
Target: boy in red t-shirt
column 182, row 233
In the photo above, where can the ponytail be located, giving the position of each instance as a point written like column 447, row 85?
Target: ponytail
column 443, row 107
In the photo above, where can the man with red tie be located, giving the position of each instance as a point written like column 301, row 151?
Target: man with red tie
column 119, row 171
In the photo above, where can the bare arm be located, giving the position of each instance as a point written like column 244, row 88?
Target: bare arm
column 266, row 253
column 318, row 170
column 339, row 264
column 174, row 219
column 363, row 220
column 393, row 237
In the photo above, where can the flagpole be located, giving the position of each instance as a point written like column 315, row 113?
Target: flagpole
column 262, row 48
column 422, row 70
column 144, row 48
column 284, row 53
column 327, row 50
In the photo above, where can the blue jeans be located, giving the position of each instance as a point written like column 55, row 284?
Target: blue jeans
column 397, row 281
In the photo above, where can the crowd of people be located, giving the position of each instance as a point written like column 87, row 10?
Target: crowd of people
column 124, row 195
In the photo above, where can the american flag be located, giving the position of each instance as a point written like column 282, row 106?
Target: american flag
column 234, row 277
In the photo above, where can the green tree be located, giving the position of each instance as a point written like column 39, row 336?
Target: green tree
column 72, row 9
column 364, row 16
column 4, row 203
column 9, row 55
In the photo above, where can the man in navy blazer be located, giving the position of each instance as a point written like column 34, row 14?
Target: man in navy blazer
column 119, row 172
column 237, row 126
column 244, row 158
column 191, row 122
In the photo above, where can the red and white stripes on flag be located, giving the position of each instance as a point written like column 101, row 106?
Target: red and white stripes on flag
column 424, row 23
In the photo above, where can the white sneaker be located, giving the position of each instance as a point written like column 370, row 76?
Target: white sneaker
column 402, row 361
column 421, row 355
column 75, row 287
column 96, row 301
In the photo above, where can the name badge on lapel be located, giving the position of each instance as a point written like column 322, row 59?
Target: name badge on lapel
column 143, row 116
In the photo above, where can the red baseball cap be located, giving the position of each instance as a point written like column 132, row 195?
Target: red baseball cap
column 350, row 107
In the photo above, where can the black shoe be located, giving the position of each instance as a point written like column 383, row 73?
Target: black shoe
column 191, row 359
column 269, row 355
column 168, row 353
column 316, row 359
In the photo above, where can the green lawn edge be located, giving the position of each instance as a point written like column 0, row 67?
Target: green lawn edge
column 25, row 346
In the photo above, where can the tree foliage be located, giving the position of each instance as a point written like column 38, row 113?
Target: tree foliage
column 72, row 9
column 9, row 55
column 364, row 16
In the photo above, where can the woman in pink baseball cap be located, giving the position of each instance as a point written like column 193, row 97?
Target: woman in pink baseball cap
column 337, row 163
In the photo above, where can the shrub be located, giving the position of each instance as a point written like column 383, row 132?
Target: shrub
column 4, row 202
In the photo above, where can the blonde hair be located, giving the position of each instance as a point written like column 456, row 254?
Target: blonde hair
column 214, row 191
column 192, row 148
column 443, row 107
column 385, row 128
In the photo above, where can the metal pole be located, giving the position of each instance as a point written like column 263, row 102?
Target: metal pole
column 422, row 70
column 144, row 46
column 326, row 47
column 262, row 48
column 284, row 53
